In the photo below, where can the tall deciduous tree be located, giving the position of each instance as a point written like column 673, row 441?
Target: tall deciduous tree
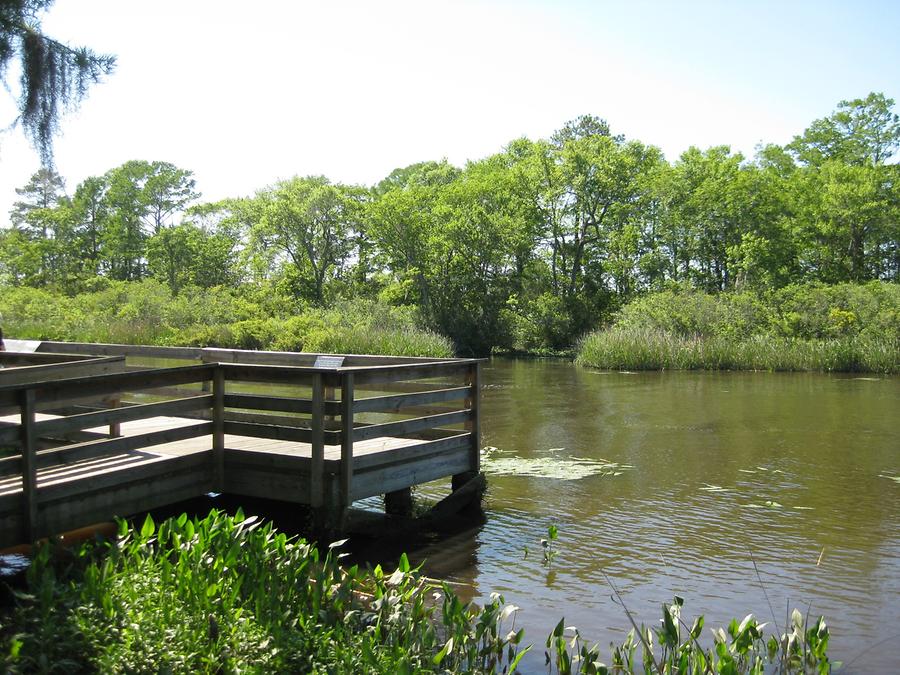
column 313, row 223
column 861, row 131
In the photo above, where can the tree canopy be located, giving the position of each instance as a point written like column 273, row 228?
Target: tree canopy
column 528, row 248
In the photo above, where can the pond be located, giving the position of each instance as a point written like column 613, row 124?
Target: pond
column 676, row 483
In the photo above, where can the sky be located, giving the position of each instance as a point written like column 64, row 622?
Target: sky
column 244, row 94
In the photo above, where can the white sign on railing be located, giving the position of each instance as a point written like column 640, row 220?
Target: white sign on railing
column 323, row 361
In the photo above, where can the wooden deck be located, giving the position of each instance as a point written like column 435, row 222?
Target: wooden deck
column 88, row 448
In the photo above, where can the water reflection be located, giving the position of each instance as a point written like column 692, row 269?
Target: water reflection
column 784, row 467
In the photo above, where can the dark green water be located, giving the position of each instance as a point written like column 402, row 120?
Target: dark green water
column 793, row 467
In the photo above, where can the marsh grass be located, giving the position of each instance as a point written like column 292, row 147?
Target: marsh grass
column 146, row 313
column 653, row 349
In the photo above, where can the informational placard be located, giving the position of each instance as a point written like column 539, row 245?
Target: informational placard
column 328, row 361
column 22, row 346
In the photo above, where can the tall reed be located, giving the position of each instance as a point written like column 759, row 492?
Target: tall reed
column 653, row 349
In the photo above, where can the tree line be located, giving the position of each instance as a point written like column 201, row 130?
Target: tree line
column 528, row 248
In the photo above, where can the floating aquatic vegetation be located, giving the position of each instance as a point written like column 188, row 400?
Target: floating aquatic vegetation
column 761, row 468
column 768, row 504
column 707, row 487
column 496, row 462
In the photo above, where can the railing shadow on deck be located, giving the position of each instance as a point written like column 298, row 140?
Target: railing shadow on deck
column 332, row 425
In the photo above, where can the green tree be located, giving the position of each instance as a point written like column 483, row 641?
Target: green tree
column 312, row 223
column 848, row 217
column 90, row 211
column 139, row 198
column 861, row 131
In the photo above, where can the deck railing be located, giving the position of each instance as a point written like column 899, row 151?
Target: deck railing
column 434, row 403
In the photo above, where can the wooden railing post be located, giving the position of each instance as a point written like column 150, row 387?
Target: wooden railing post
column 204, row 386
column 346, row 439
column 29, row 465
column 474, row 426
column 115, row 428
column 317, row 463
column 218, row 435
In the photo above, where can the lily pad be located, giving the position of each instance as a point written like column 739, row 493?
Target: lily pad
column 496, row 462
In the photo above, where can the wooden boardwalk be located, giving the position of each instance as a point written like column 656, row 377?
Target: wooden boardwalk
column 84, row 449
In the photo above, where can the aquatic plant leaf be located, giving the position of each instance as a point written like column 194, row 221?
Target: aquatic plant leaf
column 558, row 468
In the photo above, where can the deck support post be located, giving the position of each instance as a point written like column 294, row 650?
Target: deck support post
column 346, row 478
column 115, row 428
column 29, row 465
column 218, row 435
column 473, row 426
column 399, row 502
column 317, row 443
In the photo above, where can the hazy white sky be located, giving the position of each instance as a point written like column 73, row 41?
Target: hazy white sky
column 246, row 93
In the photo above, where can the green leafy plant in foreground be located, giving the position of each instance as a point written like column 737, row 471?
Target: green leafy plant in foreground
column 231, row 594
column 675, row 648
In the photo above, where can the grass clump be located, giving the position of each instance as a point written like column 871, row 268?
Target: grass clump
column 228, row 594
column 847, row 328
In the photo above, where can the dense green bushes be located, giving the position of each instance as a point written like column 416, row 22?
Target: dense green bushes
column 225, row 594
column 147, row 313
column 846, row 327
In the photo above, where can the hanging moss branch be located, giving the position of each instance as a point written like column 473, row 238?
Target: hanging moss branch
column 54, row 77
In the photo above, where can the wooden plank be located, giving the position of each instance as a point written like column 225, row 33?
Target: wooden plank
column 84, row 366
column 119, row 415
column 400, row 476
column 106, row 446
column 107, row 349
column 411, row 425
column 29, row 467
column 218, row 433
column 411, row 387
column 252, row 481
column 276, row 463
column 395, row 403
column 274, row 374
column 412, row 371
column 279, row 433
column 410, row 452
column 22, row 357
column 348, row 436
column 277, row 403
column 103, row 480
column 114, row 383
column 317, row 441
column 173, row 480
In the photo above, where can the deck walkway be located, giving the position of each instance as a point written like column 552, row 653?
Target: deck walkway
column 83, row 452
